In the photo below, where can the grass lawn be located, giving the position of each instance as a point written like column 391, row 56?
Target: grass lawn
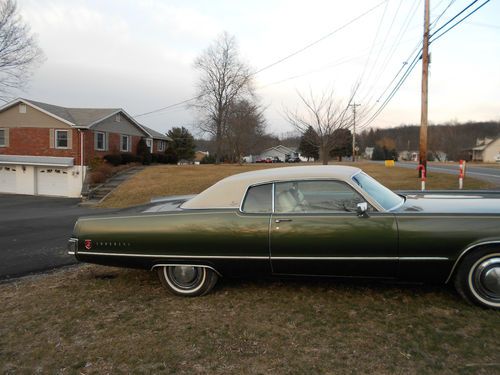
column 166, row 180
column 97, row 320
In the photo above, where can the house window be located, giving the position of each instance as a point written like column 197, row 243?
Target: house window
column 161, row 145
column 3, row 138
column 22, row 108
column 118, row 117
column 100, row 141
column 125, row 143
column 61, row 139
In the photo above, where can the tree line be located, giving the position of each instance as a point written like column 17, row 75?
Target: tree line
column 454, row 139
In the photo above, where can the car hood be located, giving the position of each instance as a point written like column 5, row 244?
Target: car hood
column 450, row 204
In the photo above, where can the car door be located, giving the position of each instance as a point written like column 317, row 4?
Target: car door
column 315, row 230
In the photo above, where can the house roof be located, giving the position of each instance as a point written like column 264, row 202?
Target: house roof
column 79, row 117
column 280, row 148
column 156, row 135
column 83, row 117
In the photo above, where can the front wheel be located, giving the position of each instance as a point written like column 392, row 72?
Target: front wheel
column 187, row 280
column 478, row 278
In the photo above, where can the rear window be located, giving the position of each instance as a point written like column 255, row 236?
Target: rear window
column 258, row 199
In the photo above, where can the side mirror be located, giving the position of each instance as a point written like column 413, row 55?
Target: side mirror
column 361, row 209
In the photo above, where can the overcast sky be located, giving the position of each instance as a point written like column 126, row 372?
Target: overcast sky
column 138, row 55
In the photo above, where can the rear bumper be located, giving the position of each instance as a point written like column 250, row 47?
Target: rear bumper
column 72, row 246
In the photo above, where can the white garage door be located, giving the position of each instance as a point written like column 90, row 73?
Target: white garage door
column 52, row 181
column 8, row 181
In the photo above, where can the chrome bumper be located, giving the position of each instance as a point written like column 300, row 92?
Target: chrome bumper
column 72, row 246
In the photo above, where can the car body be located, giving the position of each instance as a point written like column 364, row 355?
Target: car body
column 306, row 221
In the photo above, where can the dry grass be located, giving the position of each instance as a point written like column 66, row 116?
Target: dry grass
column 97, row 320
column 167, row 180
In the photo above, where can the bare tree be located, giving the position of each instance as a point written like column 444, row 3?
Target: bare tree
column 19, row 51
column 324, row 115
column 224, row 80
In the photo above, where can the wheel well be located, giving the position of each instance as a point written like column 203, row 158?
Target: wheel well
column 469, row 250
column 185, row 264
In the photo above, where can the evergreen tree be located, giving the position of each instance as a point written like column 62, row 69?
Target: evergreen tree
column 183, row 145
column 308, row 144
column 143, row 152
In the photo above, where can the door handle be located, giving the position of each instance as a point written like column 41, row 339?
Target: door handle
column 281, row 220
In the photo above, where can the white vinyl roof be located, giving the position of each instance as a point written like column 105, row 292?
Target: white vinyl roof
column 228, row 193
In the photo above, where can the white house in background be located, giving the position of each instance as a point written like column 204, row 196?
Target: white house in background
column 281, row 152
column 369, row 152
column 487, row 150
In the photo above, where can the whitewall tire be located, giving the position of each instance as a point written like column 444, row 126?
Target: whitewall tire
column 187, row 280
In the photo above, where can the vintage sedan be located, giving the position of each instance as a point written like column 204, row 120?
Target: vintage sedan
column 311, row 221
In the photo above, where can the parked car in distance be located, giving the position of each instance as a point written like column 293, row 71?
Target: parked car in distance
column 293, row 159
column 276, row 159
column 497, row 158
column 329, row 221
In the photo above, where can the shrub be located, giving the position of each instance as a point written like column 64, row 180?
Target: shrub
column 95, row 163
column 113, row 159
column 171, row 157
column 128, row 157
column 208, row 159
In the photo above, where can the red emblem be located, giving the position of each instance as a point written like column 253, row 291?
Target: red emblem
column 88, row 244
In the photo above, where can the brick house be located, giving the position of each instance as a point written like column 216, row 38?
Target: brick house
column 45, row 149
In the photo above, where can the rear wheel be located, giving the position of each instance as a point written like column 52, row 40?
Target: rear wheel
column 478, row 278
column 187, row 280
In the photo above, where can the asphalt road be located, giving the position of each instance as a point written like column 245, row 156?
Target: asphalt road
column 491, row 174
column 34, row 232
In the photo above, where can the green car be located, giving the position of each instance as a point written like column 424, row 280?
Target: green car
column 305, row 221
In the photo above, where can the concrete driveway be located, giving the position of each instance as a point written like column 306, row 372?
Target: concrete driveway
column 34, row 231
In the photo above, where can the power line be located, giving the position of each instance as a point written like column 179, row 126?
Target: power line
column 394, row 90
column 416, row 59
column 454, row 17
column 320, row 39
column 167, row 107
column 280, row 60
column 433, row 39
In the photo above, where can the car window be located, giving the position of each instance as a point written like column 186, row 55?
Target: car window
column 258, row 199
column 316, row 197
column 385, row 197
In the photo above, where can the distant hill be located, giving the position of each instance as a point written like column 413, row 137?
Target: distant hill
column 452, row 139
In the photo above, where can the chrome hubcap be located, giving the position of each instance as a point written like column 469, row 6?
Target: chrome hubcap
column 184, row 277
column 487, row 278
column 184, row 274
column 491, row 280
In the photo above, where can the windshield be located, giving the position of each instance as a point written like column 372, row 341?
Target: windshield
column 386, row 198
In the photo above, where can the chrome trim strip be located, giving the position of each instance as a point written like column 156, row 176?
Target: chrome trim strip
column 180, row 264
column 424, row 258
column 334, row 258
column 471, row 247
column 71, row 253
column 177, row 256
column 273, row 203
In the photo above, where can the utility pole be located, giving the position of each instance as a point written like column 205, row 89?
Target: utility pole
column 354, row 105
column 425, row 80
